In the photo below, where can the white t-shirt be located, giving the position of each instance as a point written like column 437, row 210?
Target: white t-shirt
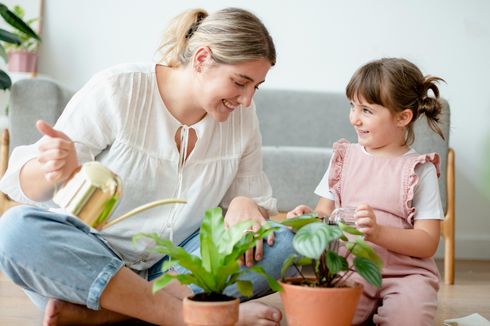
column 426, row 199
column 120, row 117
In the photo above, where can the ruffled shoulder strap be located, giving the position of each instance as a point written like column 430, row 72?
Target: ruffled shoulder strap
column 412, row 180
column 335, row 175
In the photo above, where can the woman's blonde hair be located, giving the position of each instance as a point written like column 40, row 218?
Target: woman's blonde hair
column 233, row 35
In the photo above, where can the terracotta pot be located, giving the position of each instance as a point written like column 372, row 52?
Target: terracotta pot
column 22, row 61
column 309, row 306
column 207, row 313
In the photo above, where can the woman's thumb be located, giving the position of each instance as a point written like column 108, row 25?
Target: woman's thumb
column 47, row 130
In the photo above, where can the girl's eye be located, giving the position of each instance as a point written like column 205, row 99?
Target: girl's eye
column 239, row 84
column 366, row 110
column 256, row 88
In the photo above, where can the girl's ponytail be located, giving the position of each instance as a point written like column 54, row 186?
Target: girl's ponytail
column 430, row 106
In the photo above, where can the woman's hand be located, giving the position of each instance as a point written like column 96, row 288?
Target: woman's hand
column 245, row 209
column 299, row 210
column 366, row 221
column 57, row 155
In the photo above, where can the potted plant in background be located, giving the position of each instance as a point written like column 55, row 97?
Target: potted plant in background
column 327, row 295
column 217, row 268
column 22, row 36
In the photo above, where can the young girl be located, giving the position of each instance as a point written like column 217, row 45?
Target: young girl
column 185, row 127
column 393, row 188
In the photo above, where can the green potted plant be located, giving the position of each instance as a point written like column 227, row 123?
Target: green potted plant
column 327, row 294
column 23, row 35
column 217, row 268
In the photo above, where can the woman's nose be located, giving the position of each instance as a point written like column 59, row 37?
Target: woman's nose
column 245, row 98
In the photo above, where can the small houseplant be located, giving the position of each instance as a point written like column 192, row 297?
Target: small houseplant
column 217, row 268
column 319, row 246
column 22, row 32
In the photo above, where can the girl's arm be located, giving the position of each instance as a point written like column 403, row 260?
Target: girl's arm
column 421, row 241
column 323, row 208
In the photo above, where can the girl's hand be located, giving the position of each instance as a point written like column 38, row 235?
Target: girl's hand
column 245, row 209
column 366, row 221
column 299, row 210
column 57, row 155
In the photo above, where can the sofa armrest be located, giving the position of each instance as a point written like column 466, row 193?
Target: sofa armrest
column 294, row 173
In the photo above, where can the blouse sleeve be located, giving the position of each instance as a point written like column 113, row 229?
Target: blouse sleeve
column 250, row 180
column 88, row 120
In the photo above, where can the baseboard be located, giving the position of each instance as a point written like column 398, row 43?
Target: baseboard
column 469, row 247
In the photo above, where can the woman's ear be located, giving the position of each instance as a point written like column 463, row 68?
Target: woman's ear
column 201, row 57
column 404, row 117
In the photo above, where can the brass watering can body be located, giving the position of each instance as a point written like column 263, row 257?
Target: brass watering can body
column 92, row 194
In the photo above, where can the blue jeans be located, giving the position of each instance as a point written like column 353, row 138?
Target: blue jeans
column 53, row 255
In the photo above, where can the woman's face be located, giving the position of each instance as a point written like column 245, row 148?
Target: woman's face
column 223, row 88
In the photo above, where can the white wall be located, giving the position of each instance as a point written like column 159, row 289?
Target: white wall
column 320, row 44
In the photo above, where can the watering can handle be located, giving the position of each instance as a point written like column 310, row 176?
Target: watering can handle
column 144, row 208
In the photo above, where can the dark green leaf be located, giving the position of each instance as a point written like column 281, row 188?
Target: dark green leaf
column 368, row 270
column 14, row 21
column 274, row 285
column 336, row 263
column 5, row 81
column 9, row 37
column 3, row 54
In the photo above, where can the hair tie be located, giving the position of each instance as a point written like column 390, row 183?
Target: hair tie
column 194, row 27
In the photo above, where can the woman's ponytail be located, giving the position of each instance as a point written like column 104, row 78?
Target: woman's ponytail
column 177, row 35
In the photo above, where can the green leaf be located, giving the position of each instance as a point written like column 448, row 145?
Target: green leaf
column 162, row 282
column 288, row 262
column 9, row 37
column 3, row 53
column 274, row 285
column 5, row 81
column 245, row 288
column 349, row 229
column 336, row 263
column 212, row 230
column 233, row 235
column 312, row 239
column 298, row 222
column 13, row 20
column 361, row 248
column 368, row 270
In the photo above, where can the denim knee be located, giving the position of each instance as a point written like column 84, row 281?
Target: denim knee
column 12, row 228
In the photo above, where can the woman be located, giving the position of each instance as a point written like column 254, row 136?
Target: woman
column 185, row 127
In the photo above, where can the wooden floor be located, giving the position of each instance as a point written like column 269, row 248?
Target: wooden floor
column 470, row 294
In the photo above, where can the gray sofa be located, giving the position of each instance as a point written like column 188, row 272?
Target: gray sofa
column 298, row 128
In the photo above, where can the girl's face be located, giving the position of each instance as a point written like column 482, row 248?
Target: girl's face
column 378, row 130
column 223, row 88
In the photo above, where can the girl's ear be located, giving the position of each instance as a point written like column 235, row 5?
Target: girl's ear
column 201, row 57
column 404, row 118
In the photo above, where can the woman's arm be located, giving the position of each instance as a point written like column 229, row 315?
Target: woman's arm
column 55, row 163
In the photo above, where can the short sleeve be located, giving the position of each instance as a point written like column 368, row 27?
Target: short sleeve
column 427, row 200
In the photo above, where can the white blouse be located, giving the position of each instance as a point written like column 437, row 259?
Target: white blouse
column 119, row 116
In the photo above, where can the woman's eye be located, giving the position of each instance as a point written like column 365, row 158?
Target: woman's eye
column 366, row 110
column 239, row 84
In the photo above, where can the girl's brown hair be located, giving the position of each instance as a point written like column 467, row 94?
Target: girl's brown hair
column 398, row 84
column 233, row 35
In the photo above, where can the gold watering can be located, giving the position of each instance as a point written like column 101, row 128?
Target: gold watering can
column 93, row 192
